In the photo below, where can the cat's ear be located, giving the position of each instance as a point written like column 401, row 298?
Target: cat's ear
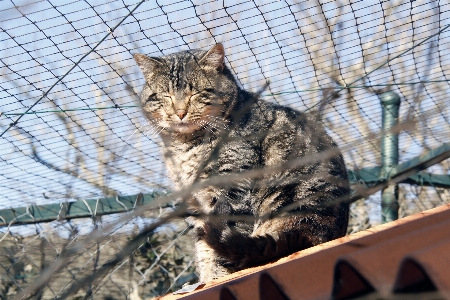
column 146, row 64
column 214, row 58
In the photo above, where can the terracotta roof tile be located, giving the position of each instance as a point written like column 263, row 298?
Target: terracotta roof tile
column 426, row 269
column 379, row 264
column 410, row 254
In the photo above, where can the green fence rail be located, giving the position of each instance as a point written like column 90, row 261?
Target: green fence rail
column 75, row 209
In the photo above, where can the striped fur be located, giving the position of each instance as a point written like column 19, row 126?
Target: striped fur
column 192, row 99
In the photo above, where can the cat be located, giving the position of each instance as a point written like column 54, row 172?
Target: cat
column 209, row 126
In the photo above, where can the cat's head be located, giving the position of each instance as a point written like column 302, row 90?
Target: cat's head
column 188, row 91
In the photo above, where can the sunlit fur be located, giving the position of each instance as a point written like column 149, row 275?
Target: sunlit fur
column 192, row 100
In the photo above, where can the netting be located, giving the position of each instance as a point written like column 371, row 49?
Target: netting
column 72, row 130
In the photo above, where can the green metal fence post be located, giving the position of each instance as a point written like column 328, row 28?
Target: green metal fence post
column 390, row 103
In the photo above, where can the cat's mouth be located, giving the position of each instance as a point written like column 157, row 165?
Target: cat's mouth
column 185, row 127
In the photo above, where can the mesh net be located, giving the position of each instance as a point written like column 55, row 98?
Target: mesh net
column 72, row 129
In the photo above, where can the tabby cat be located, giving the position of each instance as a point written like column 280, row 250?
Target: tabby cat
column 211, row 127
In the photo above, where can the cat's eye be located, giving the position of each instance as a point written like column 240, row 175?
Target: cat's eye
column 205, row 96
column 202, row 98
column 151, row 98
column 212, row 91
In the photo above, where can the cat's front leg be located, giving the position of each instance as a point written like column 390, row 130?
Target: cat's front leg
column 208, row 263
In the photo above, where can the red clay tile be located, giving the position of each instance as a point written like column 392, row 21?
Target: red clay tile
column 308, row 274
column 426, row 269
column 379, row 263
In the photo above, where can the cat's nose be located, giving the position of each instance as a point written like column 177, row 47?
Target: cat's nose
column 181, row 113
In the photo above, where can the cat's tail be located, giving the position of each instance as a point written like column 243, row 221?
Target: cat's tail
column 238, row 250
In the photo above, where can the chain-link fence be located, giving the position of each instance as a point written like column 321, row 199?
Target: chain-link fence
column 71, row 129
